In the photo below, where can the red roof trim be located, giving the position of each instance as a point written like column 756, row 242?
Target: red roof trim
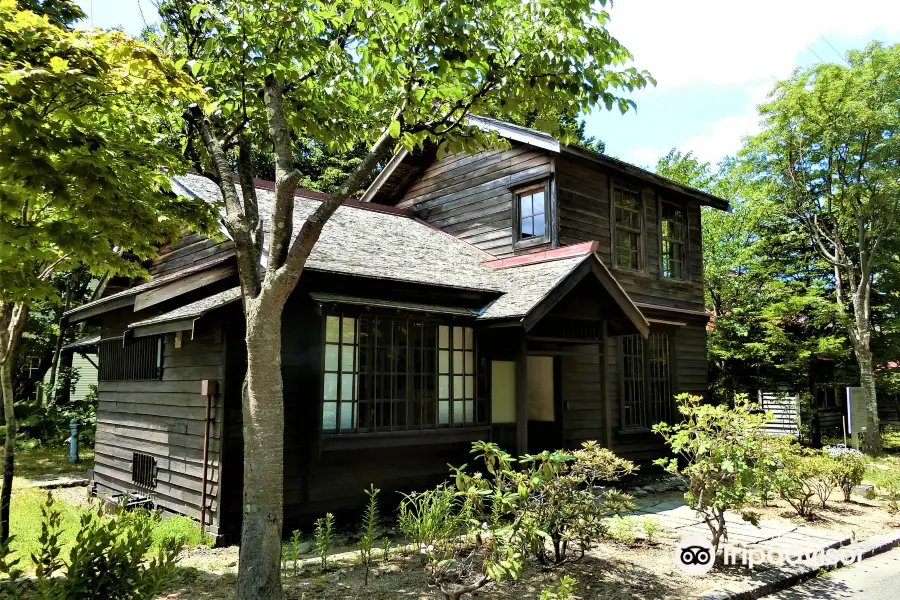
column 545, row 256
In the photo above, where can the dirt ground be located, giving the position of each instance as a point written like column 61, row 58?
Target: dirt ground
column 610, row 571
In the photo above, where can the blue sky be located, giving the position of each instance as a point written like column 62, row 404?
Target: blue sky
column 715, row 60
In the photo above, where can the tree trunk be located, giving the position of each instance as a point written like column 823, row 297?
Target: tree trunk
column 6, row 384
column 872, row 441
column 259, row 572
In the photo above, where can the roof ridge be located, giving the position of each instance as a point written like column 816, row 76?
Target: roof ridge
column 563, row 252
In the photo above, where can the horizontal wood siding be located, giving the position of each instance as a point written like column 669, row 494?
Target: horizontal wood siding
column 186, row 251
column 469, row 195
column 165, row 419
column 584, row 215
column 584, row 409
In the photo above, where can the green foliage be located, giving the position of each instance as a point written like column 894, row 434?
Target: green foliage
column 849, row 468
column 324, row 539
column 369, row 531
column 651, row 528
column 720, row 448
column 111, row 558
column 622, row 529
column 799, row 480
column 564, row 591
column 291, row 552
column 81, row 172
column 431, row 518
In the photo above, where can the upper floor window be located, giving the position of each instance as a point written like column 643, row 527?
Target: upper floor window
column 398, row 374
column 532, row 211
column 628, row 228
column 671, row 233
column 645, row 379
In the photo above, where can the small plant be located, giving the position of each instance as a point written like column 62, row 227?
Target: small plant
column 651, row 528
column 369, row 530
column 622, row 529
column 431, row 517
column 564, row 591
column 292, row 551
column 799, row 479
column 893, row 495
column 849, row 468
column 720, row 448
column 385, row 550
column 324, row 538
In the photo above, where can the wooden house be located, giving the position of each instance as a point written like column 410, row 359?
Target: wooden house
column 537, row 296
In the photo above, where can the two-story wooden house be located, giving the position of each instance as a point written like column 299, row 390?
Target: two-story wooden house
column 537, row 296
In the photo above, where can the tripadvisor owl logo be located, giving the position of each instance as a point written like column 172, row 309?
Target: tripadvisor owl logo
column 695, row 556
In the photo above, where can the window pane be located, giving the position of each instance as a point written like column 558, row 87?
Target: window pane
column 470, row 414
column 470, row 362
column 331, row 329
column 348, row 391
column 458, row 361
column 330, row 386
column 470, row 386
column 457, row 338
column 347, row 358
column 331, row 357
column 470, row 338
column 525, row 205
column 443, row 361
column 329, row 415
column 347, row 415
column 443, row 336
column 443, row 386
column 458, row 408
column 348, row 330
column 444, row 412
column 458, row 387
column 537, row 203
column 429, row 416
column 539, row 227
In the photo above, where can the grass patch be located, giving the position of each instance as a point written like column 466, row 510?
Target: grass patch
column 50, row 460
column 26, row 519
column 883, row 470
column 890, row 441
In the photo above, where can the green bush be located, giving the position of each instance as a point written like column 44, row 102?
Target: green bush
column 112, row 558
column 721, row 449
column 800, row 479
column 849, row 467
column 564, row 591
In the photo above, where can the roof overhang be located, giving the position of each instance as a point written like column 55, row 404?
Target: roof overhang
column 457, row 311
column 592, row 266
column 184, row 317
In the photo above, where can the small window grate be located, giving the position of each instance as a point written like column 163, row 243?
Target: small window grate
column 143, row 470
column 131, row 360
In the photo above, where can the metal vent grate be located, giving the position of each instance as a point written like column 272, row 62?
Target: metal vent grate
column 143, row 470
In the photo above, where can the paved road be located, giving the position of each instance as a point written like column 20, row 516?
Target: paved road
column 876, row 578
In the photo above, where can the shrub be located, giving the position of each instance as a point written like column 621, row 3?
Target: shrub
column 430, row 518
column 800, row 479
column 651, row 528
column 850, row 467
column 111, row 558
column 622, row 529
column 721, row 448
column 324, row 537
column 564, row 591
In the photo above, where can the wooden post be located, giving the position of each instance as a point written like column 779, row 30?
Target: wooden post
column 522, row 397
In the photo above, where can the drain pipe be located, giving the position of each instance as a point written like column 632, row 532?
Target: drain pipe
column 208, row 389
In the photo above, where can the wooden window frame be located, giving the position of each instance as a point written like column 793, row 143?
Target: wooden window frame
column 414, row 395
column 524, row 190
column 685, row 270
column 640, row 231
column 652, row 408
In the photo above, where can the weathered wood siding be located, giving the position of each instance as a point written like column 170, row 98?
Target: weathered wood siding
column 469, row 196
column 584, row 191
column 165, row 419
column 584, row 407
column 186, row 251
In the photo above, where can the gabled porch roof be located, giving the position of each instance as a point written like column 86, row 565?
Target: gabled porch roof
column 536, row 284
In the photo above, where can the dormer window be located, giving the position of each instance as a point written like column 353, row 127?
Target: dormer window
column 532, row 213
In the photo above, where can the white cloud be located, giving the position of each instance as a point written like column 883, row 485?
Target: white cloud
column 731, row 42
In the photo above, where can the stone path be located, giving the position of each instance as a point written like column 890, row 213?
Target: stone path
column 52, row 482
column 679, row 521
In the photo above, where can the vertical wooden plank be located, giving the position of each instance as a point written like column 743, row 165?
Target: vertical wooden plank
column 607, row 402
column 522, row 396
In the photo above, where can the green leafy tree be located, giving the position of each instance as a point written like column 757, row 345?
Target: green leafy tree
column 717, row 450
column 345, row 73
column 81, row 174
column 828, row 151
column 767, row 293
